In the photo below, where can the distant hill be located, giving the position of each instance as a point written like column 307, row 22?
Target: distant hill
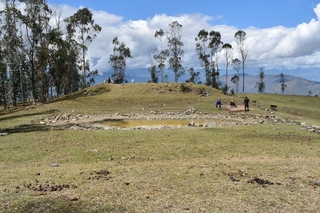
column 295, row 85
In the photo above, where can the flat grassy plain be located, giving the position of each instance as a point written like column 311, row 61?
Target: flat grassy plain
column 243, row 168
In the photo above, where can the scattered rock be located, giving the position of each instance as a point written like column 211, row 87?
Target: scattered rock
column 74, row 198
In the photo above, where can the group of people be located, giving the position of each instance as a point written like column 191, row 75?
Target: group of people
column 233, row 104
column 109, row 81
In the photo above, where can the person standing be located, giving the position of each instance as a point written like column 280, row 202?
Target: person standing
column 246, row 104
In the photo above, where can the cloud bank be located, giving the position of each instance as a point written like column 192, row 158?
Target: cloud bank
column 277, row 47
column 272, row 48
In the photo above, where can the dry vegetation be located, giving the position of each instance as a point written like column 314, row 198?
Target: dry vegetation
column 245, row 168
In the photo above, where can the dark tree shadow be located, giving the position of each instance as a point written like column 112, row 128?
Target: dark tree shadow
column 32, row 128
column 28, row 115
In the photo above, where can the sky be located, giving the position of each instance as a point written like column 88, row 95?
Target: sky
column 283, row 36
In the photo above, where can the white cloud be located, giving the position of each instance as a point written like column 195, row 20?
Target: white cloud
column 274, row 48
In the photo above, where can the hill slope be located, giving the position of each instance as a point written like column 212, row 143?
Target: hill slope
column 295, row 85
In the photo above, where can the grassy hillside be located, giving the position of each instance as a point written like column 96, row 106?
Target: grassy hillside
column 242, row 168
column 171, row 97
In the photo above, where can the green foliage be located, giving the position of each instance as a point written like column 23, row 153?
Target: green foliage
column 261, row 85
column 207, row 44
column 118, row 60
column 153, row 74
column 82, row 30
column 175, row 50
column 162, row 55
column 185, row 88
column 194, row 76
column 240, row 36
column 283, row 84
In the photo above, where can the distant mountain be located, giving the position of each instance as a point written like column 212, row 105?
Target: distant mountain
column 295, row 85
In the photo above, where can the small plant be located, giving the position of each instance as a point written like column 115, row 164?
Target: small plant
column 201, row 90
column 185, row 88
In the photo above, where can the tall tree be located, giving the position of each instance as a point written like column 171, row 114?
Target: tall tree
column 243, row 51
column 202, row 43
column 36, row 20
column 207, row 46
column 3, row 81
column 162, row 55
column 235, row 79
column 175, row 50
column 214, row 46
column 153, row 69
column 153, row 74
column 194, row 76
column 83, row 29
column 228, row 55
column 282, row 83
column 10, row 47
column 118, row 60
column 261, row 85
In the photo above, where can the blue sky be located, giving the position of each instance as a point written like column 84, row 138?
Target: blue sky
column 282, row 35
column 239, row 13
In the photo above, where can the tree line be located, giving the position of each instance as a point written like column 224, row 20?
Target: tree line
column 39, row 57
column 43, row 55
column 209, row 47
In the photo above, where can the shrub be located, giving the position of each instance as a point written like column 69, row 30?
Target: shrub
column 185, row 88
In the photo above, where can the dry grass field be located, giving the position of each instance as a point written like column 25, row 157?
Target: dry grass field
column 268, row 167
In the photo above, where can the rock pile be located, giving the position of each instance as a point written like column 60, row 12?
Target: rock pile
column 85, row 122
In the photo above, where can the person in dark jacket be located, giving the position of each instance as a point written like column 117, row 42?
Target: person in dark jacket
column 218, row 104
column 246, row 104
column 233, row 104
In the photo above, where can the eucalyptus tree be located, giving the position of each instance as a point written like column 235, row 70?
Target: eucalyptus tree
column 10, row 43
column 162, row 55
column 243, row 51
column 118, row 60
column 282, row 83
column 83, row 30
column 207, row 46
column 228, row 55
column 237, row 66
column 175, row 50
column 202, row 41
column 35, row 20
column 260, row 84
column 58, row 64
column 194, row 76
column 73, row 82
column 153, row 74
column 153, row 68
column 214, row 46
column 3, row 81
